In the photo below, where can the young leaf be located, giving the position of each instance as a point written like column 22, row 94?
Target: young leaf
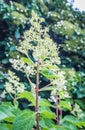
column 27, row 60
column 44, row 102
column 48, row 114
column 28, row 95
column 10, row 119
column 48, row 74
column 49, row 88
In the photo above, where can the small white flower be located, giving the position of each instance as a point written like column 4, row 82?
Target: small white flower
column 14, row 17
column 11, row 60
column 21, row 10
column 17, row 8
column 8, row 14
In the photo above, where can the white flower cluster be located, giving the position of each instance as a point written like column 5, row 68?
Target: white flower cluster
column 77, row 111
column 43, row 51
column 13, row 86
column 59, row 85
column 37, row 40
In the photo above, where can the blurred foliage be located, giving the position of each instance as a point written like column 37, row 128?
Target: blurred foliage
column 67, row 27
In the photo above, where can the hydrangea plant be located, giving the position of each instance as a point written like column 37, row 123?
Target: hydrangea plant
column 39, row 59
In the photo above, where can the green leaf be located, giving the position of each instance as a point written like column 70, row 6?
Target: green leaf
column 19, row 5
column 65, row 104
column 46, row 123
column 53, row 15
column 5, row 61
column 51, row 66
column 69, row 126
column 47, row 88
column 81, row 104
column 48, row 114
column 3, row 115
column 24, row 121
column 44, row 102
column 28, row 95
column 2, row 86
column 82, row 123
column 5, row 16
column 73, row 120
column 9, row 126
column 57, row 127
column 48, row 73
column 8, row 112
column 13, row 48
column 3, row 127
column 7, row 108
column 66, row 28
column 27, row 60
column 5, row 112
column 1, row 76
column 10, row 119
column 16, row 104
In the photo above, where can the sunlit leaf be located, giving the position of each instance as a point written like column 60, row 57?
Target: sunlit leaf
column 47, row 88
column 48, row 114
column 48, row 73
column 44, row 102
column 27, row 60
column 28, row 95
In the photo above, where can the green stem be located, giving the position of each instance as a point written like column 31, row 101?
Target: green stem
column 30, row 82
column 37, row 91
column 57, row 114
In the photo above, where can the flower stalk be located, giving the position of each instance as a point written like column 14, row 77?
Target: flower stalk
column 37, row 98
column 61, row 113
column 57, row 114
